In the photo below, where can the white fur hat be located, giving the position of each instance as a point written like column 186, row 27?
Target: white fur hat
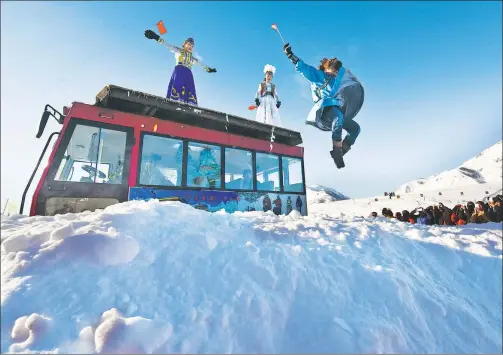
column 269, row 67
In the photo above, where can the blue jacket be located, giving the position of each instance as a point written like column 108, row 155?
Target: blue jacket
column 329, row 90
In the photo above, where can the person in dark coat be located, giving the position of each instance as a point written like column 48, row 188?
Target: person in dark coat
column 470, row 208
column 494, row 210
column 445, row 215
column 406, row 217
column 462, row 216
column 498, row 202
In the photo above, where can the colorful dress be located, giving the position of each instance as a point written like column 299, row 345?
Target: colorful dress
column 268, row 112
column 181, row 86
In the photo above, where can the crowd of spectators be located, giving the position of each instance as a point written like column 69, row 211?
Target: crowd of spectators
column 478, row 212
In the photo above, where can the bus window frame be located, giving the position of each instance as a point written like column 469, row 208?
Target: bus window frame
column 280, row 172
column 67, row 136
column 140, row 160
column 302, row 173
column 222, row 147
column 253, row 168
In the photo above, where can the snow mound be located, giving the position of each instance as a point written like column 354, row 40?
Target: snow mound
column 163, row 277
column 322, row 194
column 27, row 331
column 65, row 239
column 486, row 167
column 118, row 335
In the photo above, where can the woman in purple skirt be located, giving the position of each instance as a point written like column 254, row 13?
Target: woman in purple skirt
column 181, row 86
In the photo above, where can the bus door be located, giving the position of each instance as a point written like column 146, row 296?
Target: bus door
column 90, row 169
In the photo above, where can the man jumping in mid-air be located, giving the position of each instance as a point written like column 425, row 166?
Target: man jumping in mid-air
column 338, row 97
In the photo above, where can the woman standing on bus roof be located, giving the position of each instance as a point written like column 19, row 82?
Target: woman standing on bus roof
column 267, row 99
column 181, row 86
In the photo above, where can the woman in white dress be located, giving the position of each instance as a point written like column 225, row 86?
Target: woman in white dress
column 267, row 99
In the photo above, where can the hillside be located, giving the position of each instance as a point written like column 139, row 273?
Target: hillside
column 485, row 168
column 477, row 179
column 365, row 206
column 323, row 194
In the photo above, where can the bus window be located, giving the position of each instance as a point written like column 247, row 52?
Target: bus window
column 238, row 169
column 93, row 155
column 267, row 170
column 203, row 165
column 161, row 161
column 292, row 175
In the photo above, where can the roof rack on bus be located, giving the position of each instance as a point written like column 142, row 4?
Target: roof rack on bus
column 136, row 102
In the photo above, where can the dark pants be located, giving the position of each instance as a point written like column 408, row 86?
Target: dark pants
column 333, row 116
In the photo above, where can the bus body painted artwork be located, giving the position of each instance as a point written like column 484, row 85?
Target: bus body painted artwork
column 229, row 201
column 135, row 146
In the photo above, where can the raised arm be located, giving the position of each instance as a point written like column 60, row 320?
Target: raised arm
column 310, row 73
column 152, row 35
column 171, row 47
column 202, row 65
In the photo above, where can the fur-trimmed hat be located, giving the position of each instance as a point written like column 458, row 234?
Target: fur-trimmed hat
column 269, row 68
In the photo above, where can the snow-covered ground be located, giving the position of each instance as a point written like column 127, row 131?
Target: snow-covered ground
column 143, row 277
column 163, row 277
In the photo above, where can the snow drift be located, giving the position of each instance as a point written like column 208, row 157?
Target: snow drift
column 485, row 168
column 150, row 277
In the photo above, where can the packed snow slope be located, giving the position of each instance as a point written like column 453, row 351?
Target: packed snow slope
column 484, row 168
column 365, row 206
column 477, row 179
column 163, row 277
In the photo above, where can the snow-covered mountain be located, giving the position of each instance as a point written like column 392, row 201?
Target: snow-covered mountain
column 365, row 206
column 477, row 179
column 323, row 194
column 485, row 168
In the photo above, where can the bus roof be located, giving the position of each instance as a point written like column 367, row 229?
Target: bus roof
column 136, row 102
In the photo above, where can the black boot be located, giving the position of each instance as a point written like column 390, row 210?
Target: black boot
column 345, row 147
column 336, row 154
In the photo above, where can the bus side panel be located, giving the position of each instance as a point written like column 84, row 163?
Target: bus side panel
column 46, row 169
column 230, row 201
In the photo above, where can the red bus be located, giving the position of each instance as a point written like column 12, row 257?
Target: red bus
column 132, row 145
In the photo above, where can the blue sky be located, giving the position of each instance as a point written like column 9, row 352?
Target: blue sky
column 432, row 72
